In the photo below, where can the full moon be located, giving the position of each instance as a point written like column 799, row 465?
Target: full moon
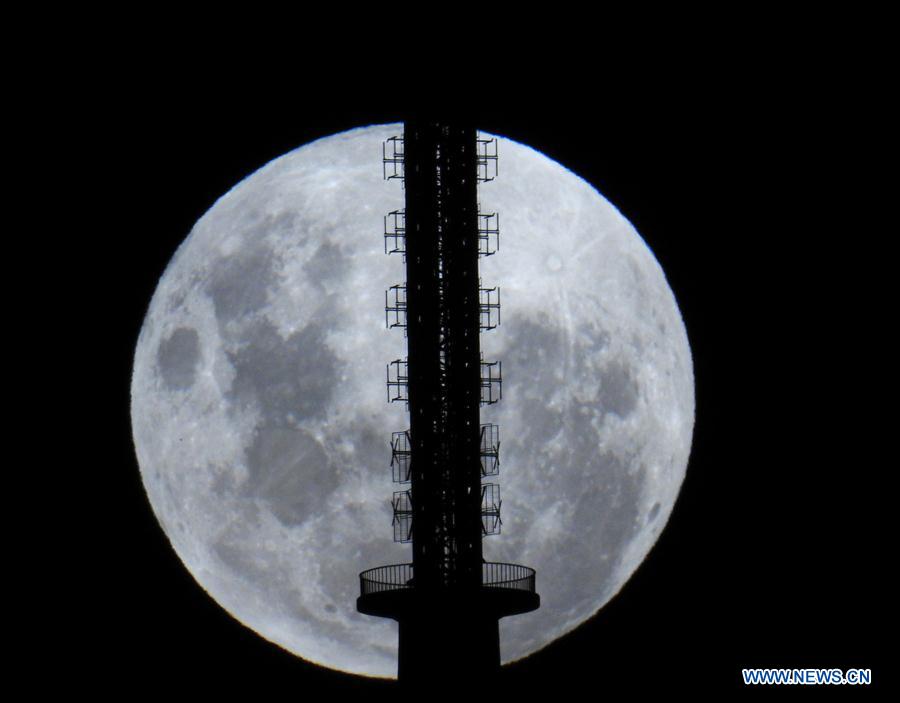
column 260, row 414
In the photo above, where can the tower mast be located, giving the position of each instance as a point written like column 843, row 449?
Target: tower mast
column 448, row 601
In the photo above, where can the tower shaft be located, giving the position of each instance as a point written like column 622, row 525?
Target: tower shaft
column 448, row 601
column 444, row 366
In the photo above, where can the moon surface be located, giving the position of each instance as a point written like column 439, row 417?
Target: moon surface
column 259, row 408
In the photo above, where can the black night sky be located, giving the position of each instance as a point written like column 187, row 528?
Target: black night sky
column 751, row 196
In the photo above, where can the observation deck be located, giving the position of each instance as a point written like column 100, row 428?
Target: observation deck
column 390, row 591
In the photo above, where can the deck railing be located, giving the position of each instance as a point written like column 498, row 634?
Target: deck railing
column 397, row 577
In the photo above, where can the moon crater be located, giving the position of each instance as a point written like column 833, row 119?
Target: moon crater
column 290, row 379
column 177, row 358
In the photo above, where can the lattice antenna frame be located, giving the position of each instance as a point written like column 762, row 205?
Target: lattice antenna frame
column 488, row 233
column 395, row 307
column 491, row 382
column 402, row 506
column 392, row 158
column 401, row 451
column 398, row 381
column 489, row 308
column 486, row 159
column 490, row 509
column 395, row 232
column 490, row 449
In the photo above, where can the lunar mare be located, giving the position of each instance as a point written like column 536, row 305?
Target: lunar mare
column 259, row 410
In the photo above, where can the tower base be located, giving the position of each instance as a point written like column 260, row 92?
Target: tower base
column 448, row 633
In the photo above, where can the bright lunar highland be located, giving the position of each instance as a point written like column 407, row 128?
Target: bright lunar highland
column 259, row 410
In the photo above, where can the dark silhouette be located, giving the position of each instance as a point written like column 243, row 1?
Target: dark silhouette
column 448, row 601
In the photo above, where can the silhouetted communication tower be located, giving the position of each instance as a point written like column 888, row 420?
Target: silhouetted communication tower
column 448, row 601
